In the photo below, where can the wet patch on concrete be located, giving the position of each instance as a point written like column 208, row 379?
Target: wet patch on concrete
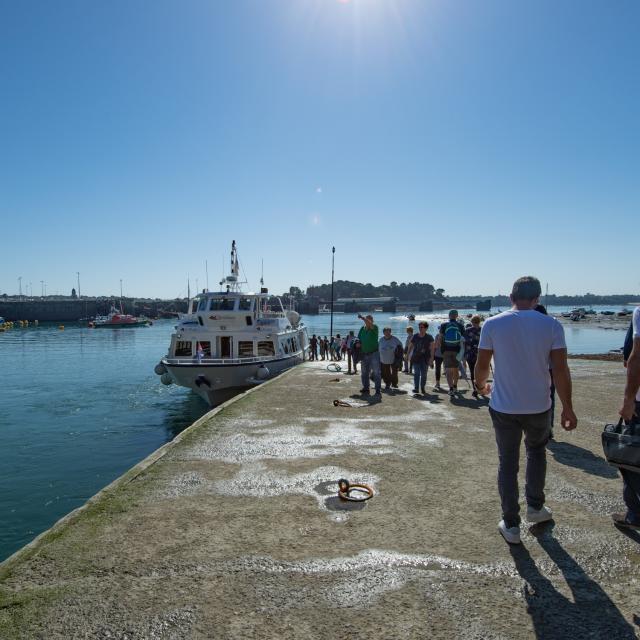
column 290, row 442
column 257, row 481
column 190, row 483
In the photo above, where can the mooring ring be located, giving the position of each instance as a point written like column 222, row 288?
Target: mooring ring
column 344, row 492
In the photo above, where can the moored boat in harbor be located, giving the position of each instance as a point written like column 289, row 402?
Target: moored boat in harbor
column 230, row 340
column 117, row 319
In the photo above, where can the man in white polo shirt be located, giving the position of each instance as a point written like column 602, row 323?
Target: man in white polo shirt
column 524, row 345
column 631, row 410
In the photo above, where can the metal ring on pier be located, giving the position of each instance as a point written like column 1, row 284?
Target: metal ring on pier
column 345, row 488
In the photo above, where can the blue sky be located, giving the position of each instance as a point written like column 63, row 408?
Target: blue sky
column 458, row 143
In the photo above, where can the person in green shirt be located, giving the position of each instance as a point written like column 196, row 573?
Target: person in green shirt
column 370, row 356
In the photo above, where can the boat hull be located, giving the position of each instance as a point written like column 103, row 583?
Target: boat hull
column 216, row 383
column 120, row 325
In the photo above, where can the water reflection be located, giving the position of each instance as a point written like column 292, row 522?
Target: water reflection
column 186, row 409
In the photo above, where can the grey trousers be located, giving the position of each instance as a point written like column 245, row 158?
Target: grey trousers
column 509, row 429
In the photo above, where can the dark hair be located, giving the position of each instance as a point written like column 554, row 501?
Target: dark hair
column 526, row 288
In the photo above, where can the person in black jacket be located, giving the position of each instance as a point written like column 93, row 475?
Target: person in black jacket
column 630, row 412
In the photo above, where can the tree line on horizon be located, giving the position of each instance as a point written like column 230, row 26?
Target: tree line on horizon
column 349, row 289
column 426, row 291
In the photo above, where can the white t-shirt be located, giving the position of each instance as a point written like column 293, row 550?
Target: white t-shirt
column 636, row 334
column 521, row 342
column 387, row 349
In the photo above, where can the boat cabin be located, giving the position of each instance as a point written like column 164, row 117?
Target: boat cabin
column 233, row 326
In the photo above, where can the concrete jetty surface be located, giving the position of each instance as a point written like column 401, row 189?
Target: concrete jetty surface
column 235, row 531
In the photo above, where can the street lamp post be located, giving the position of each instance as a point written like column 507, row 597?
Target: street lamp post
column 333, row 255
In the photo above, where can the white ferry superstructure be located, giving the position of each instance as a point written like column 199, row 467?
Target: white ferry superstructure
column 230, row 340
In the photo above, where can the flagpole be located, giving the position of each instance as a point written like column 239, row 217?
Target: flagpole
column 333, row 254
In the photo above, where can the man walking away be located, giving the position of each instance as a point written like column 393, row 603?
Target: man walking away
column 421, row 356
column 437, row 357
column 388, row 346
column 630, row 412
column 349, row 340
column 471, row 341
column 370, row 356
column 407, row 343
column 313, row 351
column 452, row 333
column 524, row 345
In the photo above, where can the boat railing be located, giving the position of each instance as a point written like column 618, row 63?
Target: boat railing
column 247, row 360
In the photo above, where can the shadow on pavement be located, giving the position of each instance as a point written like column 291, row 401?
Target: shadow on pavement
column 591, row 614
column 630, row 533
column 469, row 403
column 574, row 456
column 369, row 399
column 427, row 397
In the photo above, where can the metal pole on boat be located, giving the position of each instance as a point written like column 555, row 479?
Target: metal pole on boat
column 333, row 255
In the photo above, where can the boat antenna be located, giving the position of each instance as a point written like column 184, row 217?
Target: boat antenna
column 262, row 274
column 235, row 267
column 206, row 270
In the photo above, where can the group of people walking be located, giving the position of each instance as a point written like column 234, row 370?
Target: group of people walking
column 529, row 355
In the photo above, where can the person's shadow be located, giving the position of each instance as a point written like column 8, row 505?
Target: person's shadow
column 592, row 614
column 580, row 458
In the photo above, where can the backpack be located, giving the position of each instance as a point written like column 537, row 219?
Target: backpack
column 452, row 336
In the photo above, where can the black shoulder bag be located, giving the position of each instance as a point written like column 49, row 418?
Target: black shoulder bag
column 621, row 444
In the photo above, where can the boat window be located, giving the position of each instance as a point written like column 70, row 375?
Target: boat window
column 265, row 348
column 245, row 349
column 202, row 305
column 285, row 346
column 183, row 349
column 245, row 304
column 294, row 346
column 221, row 304
column 206, row 349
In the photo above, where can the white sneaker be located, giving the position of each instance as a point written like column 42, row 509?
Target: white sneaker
column 539, row 515
column 510, row 534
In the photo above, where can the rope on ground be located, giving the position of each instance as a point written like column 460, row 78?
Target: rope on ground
column 345, row 488
column 334, row 367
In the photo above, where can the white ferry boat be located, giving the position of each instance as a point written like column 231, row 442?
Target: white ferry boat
column 230, row 340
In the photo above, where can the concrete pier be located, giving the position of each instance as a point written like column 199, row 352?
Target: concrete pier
column 234, row 530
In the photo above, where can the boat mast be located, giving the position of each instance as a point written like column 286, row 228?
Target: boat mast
column 232, row 281
column 121, row 308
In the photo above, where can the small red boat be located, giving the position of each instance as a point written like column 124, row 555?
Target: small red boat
column 118, row 319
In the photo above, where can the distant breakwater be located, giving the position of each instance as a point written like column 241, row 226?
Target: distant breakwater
column 74, row 309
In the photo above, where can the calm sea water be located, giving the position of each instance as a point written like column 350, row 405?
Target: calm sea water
column 81, row 406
